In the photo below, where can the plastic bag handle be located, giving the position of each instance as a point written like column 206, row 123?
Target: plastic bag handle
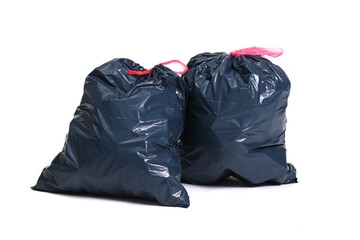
column 164, row 63
column 272, row 52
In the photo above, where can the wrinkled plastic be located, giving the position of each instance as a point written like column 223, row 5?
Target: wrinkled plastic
column 123, row 138
column 235, row 120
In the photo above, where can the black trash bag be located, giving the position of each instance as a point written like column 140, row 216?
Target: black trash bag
column 123, row 137
column 235, row 120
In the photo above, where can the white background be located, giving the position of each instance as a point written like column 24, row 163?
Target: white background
column 48, row 47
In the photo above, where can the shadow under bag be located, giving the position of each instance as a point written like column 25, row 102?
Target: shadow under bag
column 235, row 119
column 122, row 139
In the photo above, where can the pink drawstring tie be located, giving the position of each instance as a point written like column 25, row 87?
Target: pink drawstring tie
column 164, row 63
column 272, row 52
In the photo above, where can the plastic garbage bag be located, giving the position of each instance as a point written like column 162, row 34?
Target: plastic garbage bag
column 235, row 119
column 123, row 138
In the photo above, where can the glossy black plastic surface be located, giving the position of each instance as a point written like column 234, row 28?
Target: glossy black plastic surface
column 122, row 139
column 235, row 120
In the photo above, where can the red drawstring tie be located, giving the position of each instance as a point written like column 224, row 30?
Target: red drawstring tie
column 272, row 52
column 164, row 63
